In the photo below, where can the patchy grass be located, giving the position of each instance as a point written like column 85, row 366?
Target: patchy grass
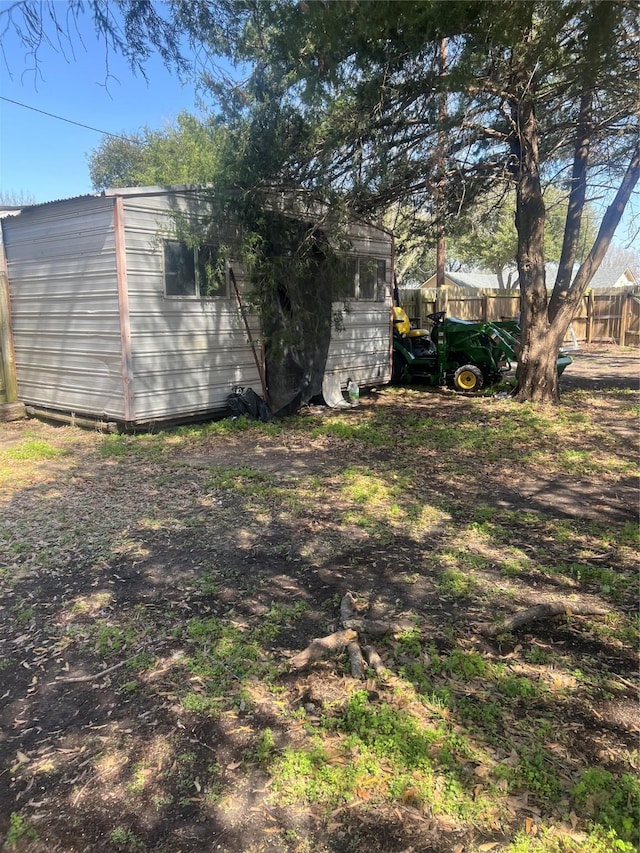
column 155, row 587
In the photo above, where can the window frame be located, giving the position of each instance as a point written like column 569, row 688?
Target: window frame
column 380, row 278
column 194, row 263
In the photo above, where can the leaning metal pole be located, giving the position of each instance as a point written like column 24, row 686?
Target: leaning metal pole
column 243, row 313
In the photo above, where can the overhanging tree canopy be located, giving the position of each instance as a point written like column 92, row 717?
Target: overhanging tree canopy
column 345, row 98
column 189, row 151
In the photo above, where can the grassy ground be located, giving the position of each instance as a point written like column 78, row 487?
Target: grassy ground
column 155, row 587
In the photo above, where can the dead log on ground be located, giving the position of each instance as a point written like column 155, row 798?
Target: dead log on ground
column 358, row 664
column 323, row 647
column 378, row 627
column 542, row 611
column 375, row 661
column 352, row 626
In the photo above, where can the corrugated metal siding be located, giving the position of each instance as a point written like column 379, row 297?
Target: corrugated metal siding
column 64, row 304
column 187, row 353
column 361, row 349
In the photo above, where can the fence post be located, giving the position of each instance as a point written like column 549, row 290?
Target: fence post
column 625, row 310
column 485, row 307
column 7, row 354
column 590, row 313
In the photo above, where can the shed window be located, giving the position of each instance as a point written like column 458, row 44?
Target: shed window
column 366, row 279
column 368, row 270
column 350, row 272
column 196, row 272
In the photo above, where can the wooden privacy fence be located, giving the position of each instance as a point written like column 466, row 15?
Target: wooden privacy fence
column 603, row 317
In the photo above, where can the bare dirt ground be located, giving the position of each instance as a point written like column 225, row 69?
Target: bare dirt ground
column 600, row 366
column 117, row 563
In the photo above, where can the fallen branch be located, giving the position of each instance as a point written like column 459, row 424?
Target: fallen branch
column 543, row 611
column 377, row 627
column 358, row 665
column 352, row 626
column 80, row 678
column 375, row 661
column 626, row 683
column 323, row 647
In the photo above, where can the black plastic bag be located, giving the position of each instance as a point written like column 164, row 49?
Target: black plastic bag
column 245, row 401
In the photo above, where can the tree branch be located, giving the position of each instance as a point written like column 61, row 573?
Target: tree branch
column 542, row 611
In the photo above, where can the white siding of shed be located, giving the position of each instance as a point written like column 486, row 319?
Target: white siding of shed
column 182, row 356
column 360, row 350
column 64, row 304
column 187, row 353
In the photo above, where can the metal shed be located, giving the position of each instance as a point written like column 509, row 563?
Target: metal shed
column 106, row 318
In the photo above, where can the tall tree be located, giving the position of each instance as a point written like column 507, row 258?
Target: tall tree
column 344, row 99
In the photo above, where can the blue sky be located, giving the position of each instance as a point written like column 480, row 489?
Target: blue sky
column 46, row 158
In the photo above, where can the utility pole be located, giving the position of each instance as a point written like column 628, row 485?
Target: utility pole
column 441, row 182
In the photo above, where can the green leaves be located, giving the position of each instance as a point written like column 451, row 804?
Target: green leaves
column 187, row 152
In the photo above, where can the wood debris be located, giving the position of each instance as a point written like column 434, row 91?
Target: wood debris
column 348, row 636
column 542, row 611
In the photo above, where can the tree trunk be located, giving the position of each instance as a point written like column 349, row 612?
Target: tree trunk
column 537, row 369
column 562, row 299
column 565, row 301
column 577, row 197
column 545, row 322
column 537, row 375
column 441, row 186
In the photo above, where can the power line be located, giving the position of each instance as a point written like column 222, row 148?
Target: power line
column 70, row 121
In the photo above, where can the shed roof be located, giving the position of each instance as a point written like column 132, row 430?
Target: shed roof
column 115, row 191
column 287, row 200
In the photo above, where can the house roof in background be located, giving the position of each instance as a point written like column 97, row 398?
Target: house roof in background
column 605, row 278
column 613, row 277
column 468, row 280
column 479, row 281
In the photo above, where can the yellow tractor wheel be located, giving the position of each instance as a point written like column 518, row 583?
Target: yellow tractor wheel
column 468, row 378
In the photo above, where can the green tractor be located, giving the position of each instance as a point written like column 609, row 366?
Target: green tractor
column 461, row 354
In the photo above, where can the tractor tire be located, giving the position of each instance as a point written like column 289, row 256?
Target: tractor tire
column 468, row 378
column 397, row 369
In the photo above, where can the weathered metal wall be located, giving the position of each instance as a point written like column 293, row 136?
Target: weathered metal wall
column 187, row 353
column 64, row 306
column 94, row 333
column 360, row 350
